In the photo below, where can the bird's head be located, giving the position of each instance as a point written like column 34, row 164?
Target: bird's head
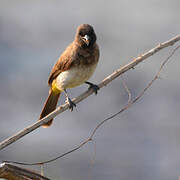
column 85, row 35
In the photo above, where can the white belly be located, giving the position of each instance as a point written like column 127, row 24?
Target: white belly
column 74, row 77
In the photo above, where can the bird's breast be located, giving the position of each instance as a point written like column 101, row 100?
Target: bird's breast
column 75, row 76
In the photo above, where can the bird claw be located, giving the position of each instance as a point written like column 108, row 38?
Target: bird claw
column 70, row 103
column 94, row 87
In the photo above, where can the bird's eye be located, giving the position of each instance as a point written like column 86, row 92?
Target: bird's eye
column 81, row 33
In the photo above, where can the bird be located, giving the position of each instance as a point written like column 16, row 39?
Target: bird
column 73, row 68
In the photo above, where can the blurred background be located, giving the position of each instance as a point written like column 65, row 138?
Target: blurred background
column 141, row 143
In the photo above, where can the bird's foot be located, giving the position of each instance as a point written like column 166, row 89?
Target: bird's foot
column 94, row 87
column 70, row 103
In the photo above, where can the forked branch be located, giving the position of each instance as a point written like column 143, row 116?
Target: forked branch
column 129, row 103
column 87, row 93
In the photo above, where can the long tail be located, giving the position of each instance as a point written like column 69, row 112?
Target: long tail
column 49, row 106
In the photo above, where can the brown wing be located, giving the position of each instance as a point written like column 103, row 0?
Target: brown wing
column 63, row 63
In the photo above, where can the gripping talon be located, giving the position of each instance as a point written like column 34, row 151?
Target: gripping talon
column 94, row 87
column 71, row 104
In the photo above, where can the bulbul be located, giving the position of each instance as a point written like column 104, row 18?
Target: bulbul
column 74, row 67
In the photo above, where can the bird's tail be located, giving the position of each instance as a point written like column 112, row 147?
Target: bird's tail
column 49, row 106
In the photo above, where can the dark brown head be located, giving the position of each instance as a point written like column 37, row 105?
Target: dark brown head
column 85, row 35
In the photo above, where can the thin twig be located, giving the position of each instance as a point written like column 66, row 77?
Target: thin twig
column 127, row 90
column 90, row 138
column 87, row 93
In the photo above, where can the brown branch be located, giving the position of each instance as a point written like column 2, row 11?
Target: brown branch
column 129, row 103
column 11, row 172
column 84, row 95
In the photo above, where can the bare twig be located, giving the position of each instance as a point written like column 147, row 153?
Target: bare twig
column 130, row 102
column 84, row 95
column 127, row 90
